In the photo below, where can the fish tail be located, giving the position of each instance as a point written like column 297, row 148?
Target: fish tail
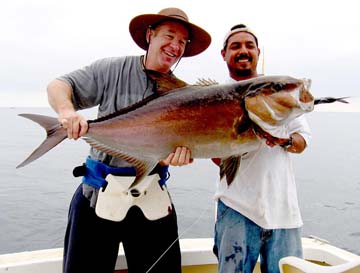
column 55, row 134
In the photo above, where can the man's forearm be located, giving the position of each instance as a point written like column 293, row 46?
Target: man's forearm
column 59, row 96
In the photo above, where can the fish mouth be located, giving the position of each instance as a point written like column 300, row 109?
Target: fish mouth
column 305, row 97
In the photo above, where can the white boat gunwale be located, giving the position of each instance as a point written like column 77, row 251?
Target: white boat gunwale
column 195, row 252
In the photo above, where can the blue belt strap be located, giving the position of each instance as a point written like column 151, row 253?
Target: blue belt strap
column 96, row 172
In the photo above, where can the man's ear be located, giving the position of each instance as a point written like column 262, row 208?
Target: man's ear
column 223, row 53
column 148, row 35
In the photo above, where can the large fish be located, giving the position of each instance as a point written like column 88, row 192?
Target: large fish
column 213, row 121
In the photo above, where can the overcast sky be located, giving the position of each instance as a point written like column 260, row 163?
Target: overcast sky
column 42, row 39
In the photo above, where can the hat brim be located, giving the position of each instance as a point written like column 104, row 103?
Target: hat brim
column 199, row 38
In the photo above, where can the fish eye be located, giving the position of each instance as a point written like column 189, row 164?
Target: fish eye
column 277, row 86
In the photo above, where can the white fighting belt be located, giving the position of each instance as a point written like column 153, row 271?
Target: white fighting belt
column 114, row 203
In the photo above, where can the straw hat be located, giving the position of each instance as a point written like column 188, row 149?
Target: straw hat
column 199, row 38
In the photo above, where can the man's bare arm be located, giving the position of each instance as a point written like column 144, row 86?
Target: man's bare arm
column 59, row 97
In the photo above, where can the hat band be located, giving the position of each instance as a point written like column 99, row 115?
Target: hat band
column 179, row 16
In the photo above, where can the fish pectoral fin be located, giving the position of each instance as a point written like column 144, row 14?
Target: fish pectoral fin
column 229, row 167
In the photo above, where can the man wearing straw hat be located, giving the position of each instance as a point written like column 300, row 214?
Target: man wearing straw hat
column 98, row 222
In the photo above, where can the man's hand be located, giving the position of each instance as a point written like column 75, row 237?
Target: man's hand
column 75, row 124
column 298, row 143
column 59, row 97
column 270, row 140
column 181, row 156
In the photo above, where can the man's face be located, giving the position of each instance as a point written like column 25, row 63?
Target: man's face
column 241, row 55
column 167, row 45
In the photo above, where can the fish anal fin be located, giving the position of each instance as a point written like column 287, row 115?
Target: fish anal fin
column 143, row 166
column 229, row 167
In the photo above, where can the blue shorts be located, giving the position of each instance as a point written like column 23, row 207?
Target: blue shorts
column 239, row 242
column 92, row 243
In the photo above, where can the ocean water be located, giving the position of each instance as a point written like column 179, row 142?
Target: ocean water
column 34, row 200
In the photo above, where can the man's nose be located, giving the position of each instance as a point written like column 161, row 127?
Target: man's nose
column 175, row 44
column 243, row 49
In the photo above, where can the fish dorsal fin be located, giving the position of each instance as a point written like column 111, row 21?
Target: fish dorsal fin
column 206, row 82
column 143, row 166
column 229, row 167
column 165, row 82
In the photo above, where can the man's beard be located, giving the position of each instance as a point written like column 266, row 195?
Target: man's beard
column 242, row 72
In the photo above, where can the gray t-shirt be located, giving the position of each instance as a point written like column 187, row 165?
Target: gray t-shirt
column 111, row 84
